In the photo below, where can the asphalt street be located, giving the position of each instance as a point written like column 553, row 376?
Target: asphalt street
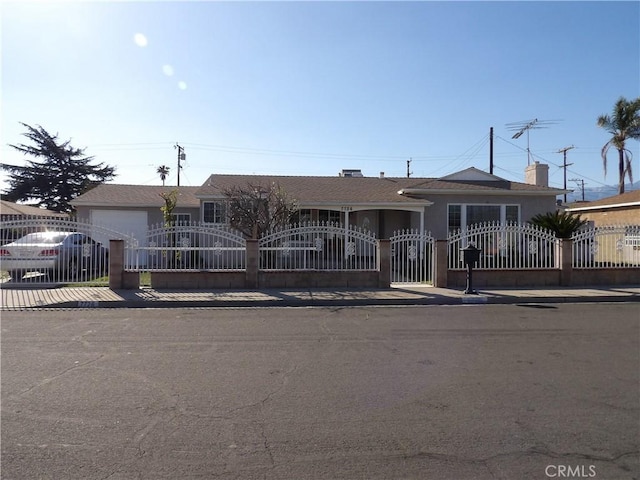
column 433, row 392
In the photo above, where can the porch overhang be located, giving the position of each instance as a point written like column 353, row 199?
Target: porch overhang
column 357, row 207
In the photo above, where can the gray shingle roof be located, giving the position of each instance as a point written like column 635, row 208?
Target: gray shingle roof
column 18, row 209
column 364, row 189
column 309, row 190
column 135, row 196
column 312, row 190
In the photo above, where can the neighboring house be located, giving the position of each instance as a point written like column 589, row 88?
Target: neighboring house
column 381, row 204
column 131, row 209
column 621, row 209
column 19, row 211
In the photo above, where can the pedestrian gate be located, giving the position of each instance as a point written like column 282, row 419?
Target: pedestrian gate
column 412, row 257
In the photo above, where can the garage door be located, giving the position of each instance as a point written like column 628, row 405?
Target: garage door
column 124, row 221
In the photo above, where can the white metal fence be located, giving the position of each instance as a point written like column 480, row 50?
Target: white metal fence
column 56, row 250
column 189, row 246
column 412, row 257
column 611, row 246
column 506, row 246
column 319, row 246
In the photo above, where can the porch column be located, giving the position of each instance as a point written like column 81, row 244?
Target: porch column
column 346, row 232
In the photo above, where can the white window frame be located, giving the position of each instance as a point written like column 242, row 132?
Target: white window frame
column 463, row 211
column 186, row 218
column 217, row 204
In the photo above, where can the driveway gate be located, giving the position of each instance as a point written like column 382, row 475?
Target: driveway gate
column 412, row 257
column 40, row 258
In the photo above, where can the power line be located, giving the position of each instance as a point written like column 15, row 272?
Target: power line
column 554, row 164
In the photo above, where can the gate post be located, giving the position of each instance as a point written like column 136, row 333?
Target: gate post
column 253, row 263
column 384, row 263
column 116, row 264
column 119, row 279
column 566, row 261
column 441, row 264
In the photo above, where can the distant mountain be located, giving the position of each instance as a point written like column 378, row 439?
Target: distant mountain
column 596, row 193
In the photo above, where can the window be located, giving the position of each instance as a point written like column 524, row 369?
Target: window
column 512, row 213
column 455, row 217
column 330, row 216
column 182, row 218
column 214, row 212
column 482, row 213
column 302, row 216
column 465, row 215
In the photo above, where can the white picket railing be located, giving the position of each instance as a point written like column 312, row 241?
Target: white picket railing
column 319, row 246
column 507, row 246
column 189, row 246
column 610, row 246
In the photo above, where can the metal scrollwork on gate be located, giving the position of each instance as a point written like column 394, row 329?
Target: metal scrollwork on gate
column 351, row 249
column 217, row 249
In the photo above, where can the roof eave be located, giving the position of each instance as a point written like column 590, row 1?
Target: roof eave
column 604, row 207
column 420, row 191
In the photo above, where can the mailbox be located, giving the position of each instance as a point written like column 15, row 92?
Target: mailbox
column 470, row 255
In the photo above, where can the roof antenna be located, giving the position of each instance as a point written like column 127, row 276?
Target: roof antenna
column 408, row 164
column 525, row 127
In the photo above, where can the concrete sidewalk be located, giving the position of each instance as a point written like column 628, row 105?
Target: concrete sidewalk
column 103, row 297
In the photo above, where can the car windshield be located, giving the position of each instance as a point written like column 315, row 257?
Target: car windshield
column 42, row 237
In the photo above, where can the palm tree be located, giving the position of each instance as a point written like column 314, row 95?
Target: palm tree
column 623, row 124
column 562, row 224
column 163, row 171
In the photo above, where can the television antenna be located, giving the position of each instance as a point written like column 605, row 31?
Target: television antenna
column 526, row 126
column 579, row 181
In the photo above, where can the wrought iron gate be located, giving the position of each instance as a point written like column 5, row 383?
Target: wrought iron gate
column 412, row 257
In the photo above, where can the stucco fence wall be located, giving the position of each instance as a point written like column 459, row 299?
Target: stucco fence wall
column 253, row 277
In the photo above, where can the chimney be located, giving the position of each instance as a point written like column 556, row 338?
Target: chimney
column 381, row 174
column 537, row 174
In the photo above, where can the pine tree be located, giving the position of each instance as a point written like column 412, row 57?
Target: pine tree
column 55, row 174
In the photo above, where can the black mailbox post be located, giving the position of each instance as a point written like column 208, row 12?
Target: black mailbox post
column 470, row 256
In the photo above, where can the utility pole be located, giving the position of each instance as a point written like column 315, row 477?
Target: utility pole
column 408, row 165
column 579, row 181
column 491, row 150
column 181, row 158
column 564, row 166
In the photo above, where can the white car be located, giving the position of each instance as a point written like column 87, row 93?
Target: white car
column 61, row 255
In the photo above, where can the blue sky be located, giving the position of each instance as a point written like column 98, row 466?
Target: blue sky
column 309, row 88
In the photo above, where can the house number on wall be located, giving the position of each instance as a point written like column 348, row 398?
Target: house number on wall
column 346, row 209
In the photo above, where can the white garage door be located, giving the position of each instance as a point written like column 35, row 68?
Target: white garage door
column 123, row 221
